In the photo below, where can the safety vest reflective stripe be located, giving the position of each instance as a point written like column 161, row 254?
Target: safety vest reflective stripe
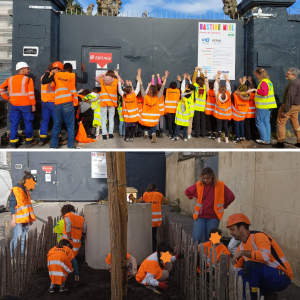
column 60, row 263
column 22, row 216
column 131, row 116
column 63, row 96
column 61, row 89
column 74, row 240
column 168, row 101
column 197, row 205
column 156, row 220
column 148, row 120
column 47, row 92
column 108, row 99
column 199, row 105
column 23, row 88
column 144, row 282
column 264, row 97
column 268, row 101
column 156, row 213
column 151, row 115
column 130, row 110
column 262, row 103
column 56, row 273
column 107, row 94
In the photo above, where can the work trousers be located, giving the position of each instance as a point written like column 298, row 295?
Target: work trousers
column 210, row 123
column 130, row 131
column 21, row 230
column 87, row 120
column 154, row 241
column 262, row 121
column 292, row 114
column 202, row 227
column 264, row 277
column 171, row 123
column 221, row 122
column 239, row 128
column 16, row 112
column 47, row 113
column 250, row 128
column 63, row 113
column 199, row 123
column 177, row 128
column 111, row 114
column 160, row 124
column 151, row 130
column 121, row 127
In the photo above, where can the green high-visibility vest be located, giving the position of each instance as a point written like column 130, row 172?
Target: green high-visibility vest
column 121, row 118
column 266, row 102
column 200, row 99
column 183, row 118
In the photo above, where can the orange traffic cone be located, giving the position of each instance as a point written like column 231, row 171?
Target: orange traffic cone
column 82, row 137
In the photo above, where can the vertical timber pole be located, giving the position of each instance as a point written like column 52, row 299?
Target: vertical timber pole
column 115, row 226
column 121, row 175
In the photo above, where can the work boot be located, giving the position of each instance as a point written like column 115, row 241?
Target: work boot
column 195, row 136
column 145, row 134
column 42, row 143
column 63, row 289
column 33, row 143
column 153, row 138
column 111, row 136
column 104, row 137
column 278, row 145
column 157, row 133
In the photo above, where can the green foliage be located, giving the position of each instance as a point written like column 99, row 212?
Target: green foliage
column 176, row 206
column 73, row 6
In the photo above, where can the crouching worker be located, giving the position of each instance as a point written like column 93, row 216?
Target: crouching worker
column 155, row 269
column 61, row 261
column 131, row 264
column 259, row 259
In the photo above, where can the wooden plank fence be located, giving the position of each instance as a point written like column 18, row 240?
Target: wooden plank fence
column 218, row 281
column 16, row 271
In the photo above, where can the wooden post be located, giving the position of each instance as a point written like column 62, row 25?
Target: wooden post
column 115, row 226
column 211, row 283
column 223, row 276
column 240, row 288
column 194, row 276
column 215, row 264
column 4, row 274
column 182, row 260
column 13, row 268
column 1, row 271
column 18, row 266
column 122, row 184
column 205, row 274
column 191, row 274
column 201, row 275
column 8, row 259
column 34, row 252
column 231, row 281
column 235, row 284
column 23, row 274
column 247, row 289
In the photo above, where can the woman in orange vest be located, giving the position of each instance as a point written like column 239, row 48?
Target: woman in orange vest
column 61, row 261
column 22, row 214
column 209, row 111
column 212, row 197
column 222, row 111
column 131, row 264
column 140, row 102
column 160, row 124
column 156, row 199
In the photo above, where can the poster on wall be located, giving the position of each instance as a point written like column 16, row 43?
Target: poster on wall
column 216, row 48
column 98, row 165
column 98, row 72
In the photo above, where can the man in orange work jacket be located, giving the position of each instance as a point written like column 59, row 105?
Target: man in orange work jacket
column 259, row 259
column 65, row 100
column 22, row 100
column 22, row 214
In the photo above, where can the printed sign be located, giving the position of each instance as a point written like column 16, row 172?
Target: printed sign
column 101, row 58
column 72, row 62
column 98, row 165
column 47, row 177
column 216, row 48
column 47, row 168
column 30, row 51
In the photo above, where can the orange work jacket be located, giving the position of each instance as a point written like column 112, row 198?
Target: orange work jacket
column 130, row 110
column 59, row 264
column 251, row 111
column 24, row 211
column 155, row 199
column 109, row 94
column 108, row 260
column 48, row 91
column 264, row 250
column 240, row 108
column 220, row 249
column 65, row 89
column 21, row 90
column 162, row 105
column 140, row 102
column 150, row 112
column 171, row 101
column 223, row 110
column 218, row 202
column 76, row 231
column 149, row 265
column 210, row 102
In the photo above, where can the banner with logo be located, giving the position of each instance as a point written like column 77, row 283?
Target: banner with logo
column 216, row 48
column 98, row 165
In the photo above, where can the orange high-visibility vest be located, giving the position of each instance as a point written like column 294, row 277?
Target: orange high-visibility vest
column 48, row 91
column 223, row 110
column 218, row 202
column 59, row 264
column 109, row 94
column 171, row 101
column 251, row 111
column 210, row 102
column 162, row 105
column 149, row 265
column 150, row 112
column 65, row 89
column 140, row 102
column 21, row 90
column 24, row 211
column 130, row 110
column 221, row 249
column 108, row 260
column 155, row 199
column 240, row 108
column 76, row 231
column 268, row 253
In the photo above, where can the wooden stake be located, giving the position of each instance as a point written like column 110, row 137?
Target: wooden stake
column 223, row 276
column 1, row 271
column 4, row 275
column 8, row 260
column 201, row 275
column 18, row 266
column 121, row 176
column 235, row 284
column 231, row 280
column 115, row 226
column 248, row 294
column 195, row 250
column 240, row 288
column 210, row 275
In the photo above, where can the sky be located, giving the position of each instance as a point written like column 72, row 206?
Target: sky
column 175, row 6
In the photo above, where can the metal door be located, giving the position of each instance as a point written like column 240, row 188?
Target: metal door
column 47, row 183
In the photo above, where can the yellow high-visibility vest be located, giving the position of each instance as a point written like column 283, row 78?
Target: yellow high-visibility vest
column 266, row 102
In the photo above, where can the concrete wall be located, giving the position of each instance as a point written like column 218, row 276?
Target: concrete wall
column 266, row 186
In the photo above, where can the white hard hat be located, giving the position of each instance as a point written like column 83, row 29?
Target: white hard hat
column 21, row 65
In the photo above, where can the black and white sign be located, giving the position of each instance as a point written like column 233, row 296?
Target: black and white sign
column 30, row 51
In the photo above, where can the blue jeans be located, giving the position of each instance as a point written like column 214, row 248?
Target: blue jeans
column 21, row 230
column 262, row 121
column 63, row 113
column 177, row 128
column 264, row 277
column 203, row 226
column 151, row 130
column 239, row 128
column 122, row 128
column 47, row 113
column 16, row 112
column 111, row 113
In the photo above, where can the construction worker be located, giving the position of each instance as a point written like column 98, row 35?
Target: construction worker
column 48, row 96
column 59, row 229
column 22, row 100
column 22, row 214
column 74, row 227
column 259, row 259
column 61, row 261
column 65, row 100
column 131, row 264
column 156, row 199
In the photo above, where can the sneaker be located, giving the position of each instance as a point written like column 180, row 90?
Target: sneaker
column 157, row 133
column 98, row 137
column 131, row 139
column 145, row 134
column 170, row 136
column 153, row 138
column 104, row 137
column 111, row 136
column 189, row 136
column 63, row 289
column 212, row 136
column 42, row 143
column 278, row 145
column 208, row 135
column 51, row 290
column 74, row 147
column 127, row 139
column 185, row 139
column 235, row 140
column 33, row 143
column 120, row 136
column 175, row 138
column 259, row 141
column 195, row 136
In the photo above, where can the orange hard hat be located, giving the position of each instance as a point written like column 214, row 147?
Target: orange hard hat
column 237, row 218
column 58, row 64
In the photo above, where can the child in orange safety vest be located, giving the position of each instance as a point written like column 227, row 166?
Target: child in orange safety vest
column 209, row 111
column 156, row 199
column 61, row 261
column 131, row 264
